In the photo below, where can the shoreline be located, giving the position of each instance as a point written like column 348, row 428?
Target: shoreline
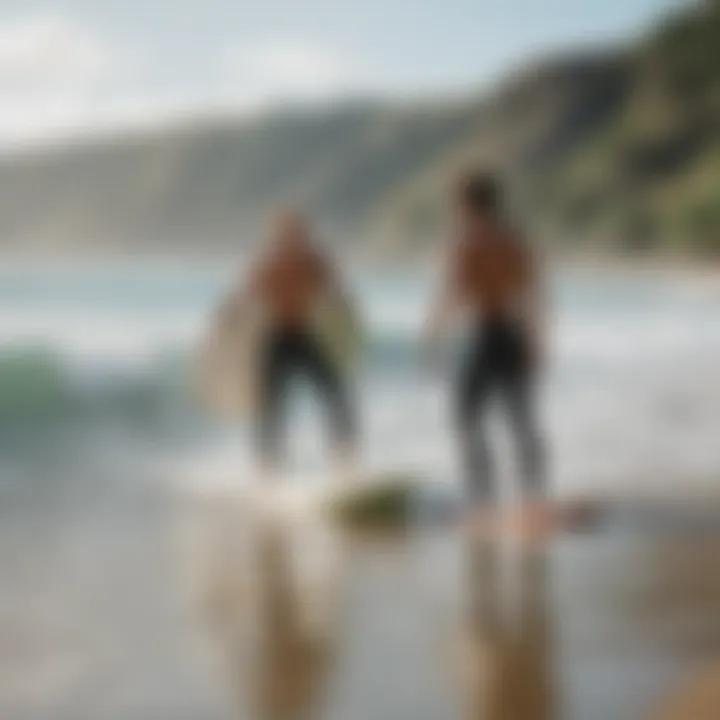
column 581, row 262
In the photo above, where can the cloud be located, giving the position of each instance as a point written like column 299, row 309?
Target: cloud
column 289, row 70
column 47, row 50
column 54, row 74
column 60, row 78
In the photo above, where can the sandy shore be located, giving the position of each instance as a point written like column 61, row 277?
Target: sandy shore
column 123, row 598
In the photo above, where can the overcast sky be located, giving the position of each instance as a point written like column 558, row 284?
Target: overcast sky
column 78, row 65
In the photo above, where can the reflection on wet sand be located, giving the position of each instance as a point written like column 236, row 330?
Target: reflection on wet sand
column 313, row 623
column 506, row 660
column 270, row 598
column 294, row 654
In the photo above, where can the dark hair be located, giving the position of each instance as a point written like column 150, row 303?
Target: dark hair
column 481, row 193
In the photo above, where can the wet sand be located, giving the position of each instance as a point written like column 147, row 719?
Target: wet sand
column 130, row 603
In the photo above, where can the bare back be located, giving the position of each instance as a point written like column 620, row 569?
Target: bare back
column 492, row 274
column 289, row 283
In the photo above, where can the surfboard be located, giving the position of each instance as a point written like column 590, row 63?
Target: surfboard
column 384, row 499
column 229, row 356
column 337, row 324
column 227, row 361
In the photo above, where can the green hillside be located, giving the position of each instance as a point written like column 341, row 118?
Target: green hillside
column 616, row 150
column 650, row 178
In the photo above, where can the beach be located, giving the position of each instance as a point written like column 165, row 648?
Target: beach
column 123, row 541
column 127, row 601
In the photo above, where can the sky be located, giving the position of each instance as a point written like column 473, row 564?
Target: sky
column 77, row 66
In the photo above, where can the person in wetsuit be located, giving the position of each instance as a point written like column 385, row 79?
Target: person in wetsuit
column 493, row 278
column 287, row 281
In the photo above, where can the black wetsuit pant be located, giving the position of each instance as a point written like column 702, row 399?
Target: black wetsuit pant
column 497, row 364
column 288, row 352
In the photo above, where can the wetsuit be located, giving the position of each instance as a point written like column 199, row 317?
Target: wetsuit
column 491, row 275
column 288, row 286
column 496, row 365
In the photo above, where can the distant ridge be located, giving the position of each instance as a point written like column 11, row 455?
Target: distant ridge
column 596, row 145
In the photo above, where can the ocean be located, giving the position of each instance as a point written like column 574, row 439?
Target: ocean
column 96, row 356
column 121, row 547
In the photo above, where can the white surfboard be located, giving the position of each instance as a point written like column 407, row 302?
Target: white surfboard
column 228, row 360
column 227, row 378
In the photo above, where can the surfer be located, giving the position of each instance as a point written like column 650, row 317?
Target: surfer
column 493, row 279
column 287, row 281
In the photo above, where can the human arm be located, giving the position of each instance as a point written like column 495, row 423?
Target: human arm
column 444, row 308
column 535, row 306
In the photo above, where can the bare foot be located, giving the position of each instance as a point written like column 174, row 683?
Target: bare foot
column 532, row 522
column 535, row 522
